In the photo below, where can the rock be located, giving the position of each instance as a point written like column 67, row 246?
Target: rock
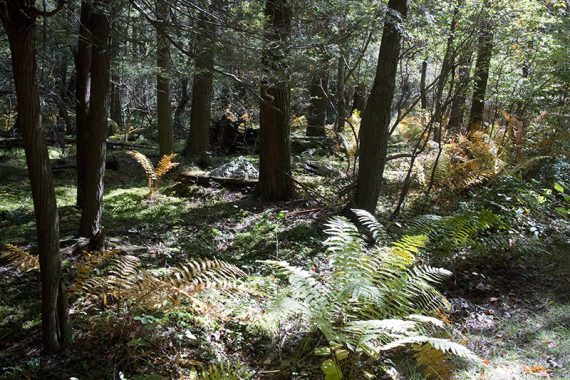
column 236, row 168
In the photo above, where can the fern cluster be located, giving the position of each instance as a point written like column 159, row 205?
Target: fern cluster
column 155, row 289
column 19, row 258
column 374, row 298
column 481, row 230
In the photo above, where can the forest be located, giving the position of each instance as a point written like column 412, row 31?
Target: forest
column 285, row 189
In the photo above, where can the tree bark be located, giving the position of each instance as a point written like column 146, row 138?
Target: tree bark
column 374, row 128
column 423, row 93
column 457, row 113
column 163, row 108
column 446, row 67
column 317, row 112
column 199, row 137
column 95, row 146
column 275, row 177
column 82, row 94
column 19, row 22
column 484, row 53
column 340, row 94
column 181, row 107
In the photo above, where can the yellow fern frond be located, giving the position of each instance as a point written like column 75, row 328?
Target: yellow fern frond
column 165, row 165
column 19, row 258
column 434, row 363
column 146, row 165
column 84, row 268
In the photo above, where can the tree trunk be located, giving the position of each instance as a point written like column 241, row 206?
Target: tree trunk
column 423, row 93
column 340, row 94
column 446, row 67
column 163, row 109
column 199, row 137
column 82, row 94
column 275, row 177
column 375, row 123
column 19, row 22
column 118, row 31
column 317, row 112
column 181, row 107
column 457, row 114
column 95, row 146
column 359, row 99
column 484, row 53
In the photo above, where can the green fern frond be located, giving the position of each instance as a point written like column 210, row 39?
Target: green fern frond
column 377, row 230
column 466, row 229
column 19, row 258
column 225, row 371
column 443, row 345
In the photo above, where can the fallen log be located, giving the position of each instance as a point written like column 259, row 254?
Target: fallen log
column 206, row 180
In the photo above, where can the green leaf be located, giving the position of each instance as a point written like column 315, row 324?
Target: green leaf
column 331, row 370
column 558, row 187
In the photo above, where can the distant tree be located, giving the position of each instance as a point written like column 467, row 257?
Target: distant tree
column 163, row 107
column 19, row 20
column 374, row 128
column 275, row 177
column 317, row 111
column 199, row 136
column 482, row 66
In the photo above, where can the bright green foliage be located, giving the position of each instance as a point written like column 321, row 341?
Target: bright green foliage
column 372, row 298
column 476, row 229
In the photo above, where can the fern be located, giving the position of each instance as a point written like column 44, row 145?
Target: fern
column 373, row 298
column 224, row 371
column 150, row 289
column 153, row 175
column 465, row 229
column 19, row 258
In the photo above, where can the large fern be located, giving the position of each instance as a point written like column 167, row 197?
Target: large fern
column 372, row 298
column 154, row 289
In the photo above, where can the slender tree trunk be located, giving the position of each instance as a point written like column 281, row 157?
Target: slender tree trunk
column 317, row 112
column 118, row 31
column 446, row 67
column 275, row 177
column 199, row 137
column 62, row 95
column 340, row 94
column 359, row 99
column 82, row 94
column 19, row 22
column 181, row 107
column 484, row 54
column 163, row 108
column 96, row 147
column 423, row 93
column 374, row 128
column 457, row 114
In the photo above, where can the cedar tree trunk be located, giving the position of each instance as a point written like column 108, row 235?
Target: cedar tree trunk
column 375, row 123
column 19, row 20
column 275, row 177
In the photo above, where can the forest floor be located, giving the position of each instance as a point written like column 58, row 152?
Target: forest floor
column 515, row 315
